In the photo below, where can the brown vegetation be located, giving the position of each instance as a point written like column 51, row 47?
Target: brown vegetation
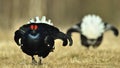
column 14, row 13
column 76, row 56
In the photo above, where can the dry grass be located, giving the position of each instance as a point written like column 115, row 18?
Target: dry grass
column 76, row 56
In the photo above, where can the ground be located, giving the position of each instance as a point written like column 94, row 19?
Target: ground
column 75, row 56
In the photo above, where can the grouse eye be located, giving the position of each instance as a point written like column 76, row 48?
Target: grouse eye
column 33, row 27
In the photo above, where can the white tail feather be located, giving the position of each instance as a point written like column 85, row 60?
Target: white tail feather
column 92, row 26
column 43, row 20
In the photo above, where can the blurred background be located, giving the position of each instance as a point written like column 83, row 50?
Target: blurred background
column 64, row 13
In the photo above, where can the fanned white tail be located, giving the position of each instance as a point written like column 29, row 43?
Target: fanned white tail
column 92, row 26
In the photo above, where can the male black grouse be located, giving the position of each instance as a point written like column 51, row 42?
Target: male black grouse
column 91, row 30
column 37, row 38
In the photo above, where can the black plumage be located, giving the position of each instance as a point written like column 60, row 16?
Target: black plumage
column 38, row 39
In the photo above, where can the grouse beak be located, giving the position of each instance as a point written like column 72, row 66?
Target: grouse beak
column 33, row 32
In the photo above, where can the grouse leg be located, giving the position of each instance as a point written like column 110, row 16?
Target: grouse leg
column 33, row 60
column 40, row 60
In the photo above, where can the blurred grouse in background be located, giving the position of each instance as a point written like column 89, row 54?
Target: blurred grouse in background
column 91, row 30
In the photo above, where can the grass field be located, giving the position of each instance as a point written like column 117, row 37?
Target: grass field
column 76, row 56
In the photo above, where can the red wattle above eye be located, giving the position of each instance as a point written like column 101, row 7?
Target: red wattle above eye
column 33, row 27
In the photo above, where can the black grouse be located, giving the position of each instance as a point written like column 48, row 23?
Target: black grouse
column 37, row 38
column 91, row 30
